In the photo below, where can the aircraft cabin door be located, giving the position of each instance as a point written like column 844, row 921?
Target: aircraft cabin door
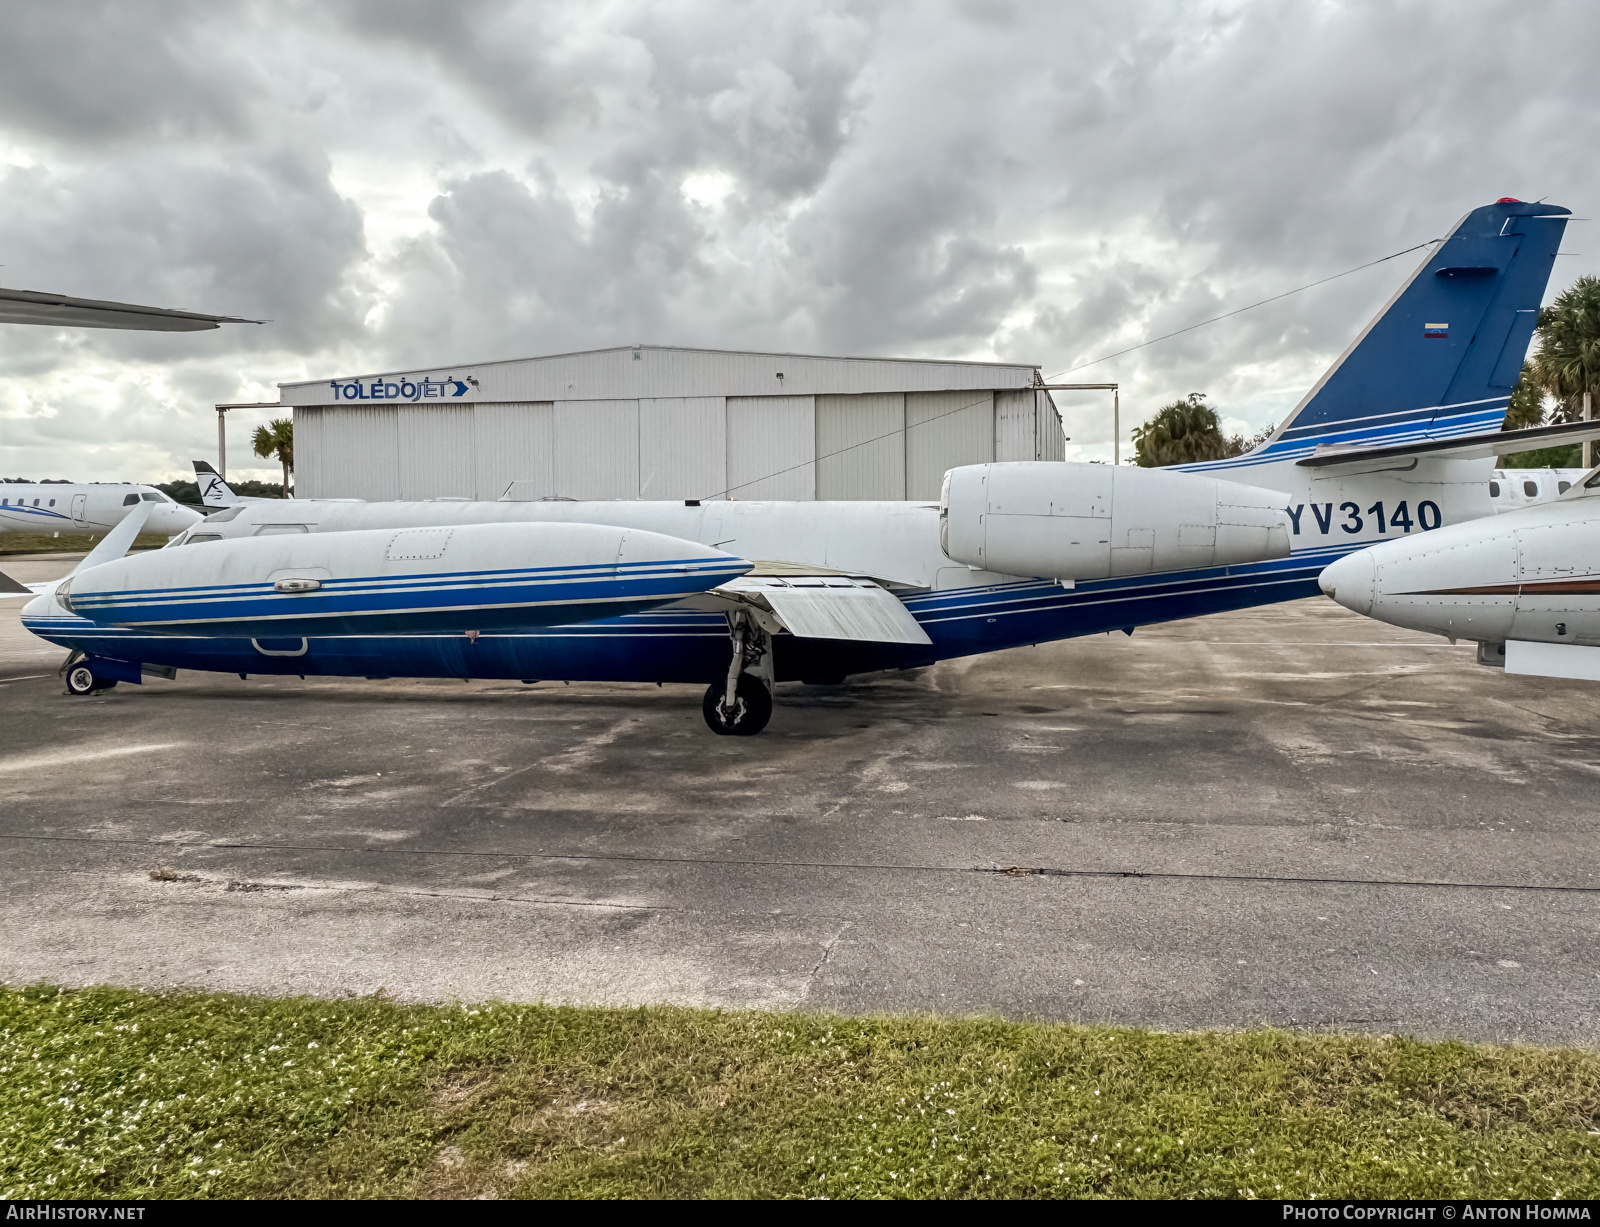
column 80, row 512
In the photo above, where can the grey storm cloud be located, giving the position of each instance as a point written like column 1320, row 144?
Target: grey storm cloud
column 404, row 183
column 91, row 74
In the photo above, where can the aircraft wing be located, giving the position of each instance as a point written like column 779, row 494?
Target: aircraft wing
column 36, row 307
column 823, row 607
column 1468, row 447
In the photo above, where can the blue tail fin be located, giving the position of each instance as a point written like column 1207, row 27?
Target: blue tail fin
column 1441, row 357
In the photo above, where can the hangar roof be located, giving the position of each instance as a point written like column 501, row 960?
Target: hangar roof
column 628, row 372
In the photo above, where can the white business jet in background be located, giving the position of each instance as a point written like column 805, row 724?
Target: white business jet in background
column 1510, row 489
column 95, row 507
column 1524, row 585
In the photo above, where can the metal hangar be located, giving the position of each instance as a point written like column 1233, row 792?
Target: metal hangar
column 655, row 422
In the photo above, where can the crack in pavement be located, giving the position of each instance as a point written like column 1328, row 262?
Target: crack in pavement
column 1012, row 871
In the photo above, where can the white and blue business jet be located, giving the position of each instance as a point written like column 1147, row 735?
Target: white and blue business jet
column 97, row 507
column 1396, row 438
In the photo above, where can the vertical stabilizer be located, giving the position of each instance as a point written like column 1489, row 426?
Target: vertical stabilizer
column 1441, row 358
column 214, row 492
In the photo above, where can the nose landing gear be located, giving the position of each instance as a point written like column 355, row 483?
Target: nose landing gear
column 82, row 680
column 742, row 705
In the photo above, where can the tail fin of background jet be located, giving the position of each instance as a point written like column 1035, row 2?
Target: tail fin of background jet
column 214, row 492
column 1440, row 359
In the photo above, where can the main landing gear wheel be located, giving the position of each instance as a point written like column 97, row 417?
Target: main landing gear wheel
column 752, row 708
column 81, row 680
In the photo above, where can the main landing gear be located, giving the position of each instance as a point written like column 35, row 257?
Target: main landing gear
column 742, row 705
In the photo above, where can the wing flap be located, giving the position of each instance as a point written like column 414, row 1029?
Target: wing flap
column 830, row 607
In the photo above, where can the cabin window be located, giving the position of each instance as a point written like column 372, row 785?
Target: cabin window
column 1531, row 489
column 35, row 502
column 1494, row 489
column 52, row 502
column 1563, row 486
column 131, row 501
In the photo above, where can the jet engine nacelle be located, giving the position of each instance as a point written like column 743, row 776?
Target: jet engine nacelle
column 1094, row 521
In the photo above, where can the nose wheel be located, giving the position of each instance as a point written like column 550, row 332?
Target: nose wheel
column 81, row 680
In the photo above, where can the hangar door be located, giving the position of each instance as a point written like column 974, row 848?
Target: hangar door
column 898, row 445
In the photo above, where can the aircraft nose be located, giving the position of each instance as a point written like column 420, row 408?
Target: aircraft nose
column 1351, row 581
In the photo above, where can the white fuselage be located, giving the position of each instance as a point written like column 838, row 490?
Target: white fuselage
column 1330, row 513
column 96, row 507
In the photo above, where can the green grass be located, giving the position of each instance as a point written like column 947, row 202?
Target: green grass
column 108, row 1092
column 65, row 543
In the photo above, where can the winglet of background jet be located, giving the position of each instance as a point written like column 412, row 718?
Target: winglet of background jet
column 63, row 311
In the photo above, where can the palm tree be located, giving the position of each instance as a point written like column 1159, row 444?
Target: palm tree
column 1568, row 362
column 1184, row 431
column 1527, row 401
column 276, row 439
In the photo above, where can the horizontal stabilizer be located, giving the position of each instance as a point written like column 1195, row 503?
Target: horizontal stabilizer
column 830, row 607
column 1470, row 447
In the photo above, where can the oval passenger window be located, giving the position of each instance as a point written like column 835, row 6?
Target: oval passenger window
column 1494, row 489
column 1531, row 489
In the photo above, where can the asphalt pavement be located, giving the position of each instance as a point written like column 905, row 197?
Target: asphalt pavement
column 1290, row 816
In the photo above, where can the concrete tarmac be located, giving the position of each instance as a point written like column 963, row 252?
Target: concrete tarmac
column 1289, row 815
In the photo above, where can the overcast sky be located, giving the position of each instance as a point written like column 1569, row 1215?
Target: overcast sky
column 396, row 184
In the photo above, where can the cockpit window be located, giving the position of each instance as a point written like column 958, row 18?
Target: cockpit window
column 150, row 496
column 197, row 538
column 1563, row 486
column 131, row 501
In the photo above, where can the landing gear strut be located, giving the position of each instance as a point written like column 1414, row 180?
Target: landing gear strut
column 742, row 705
